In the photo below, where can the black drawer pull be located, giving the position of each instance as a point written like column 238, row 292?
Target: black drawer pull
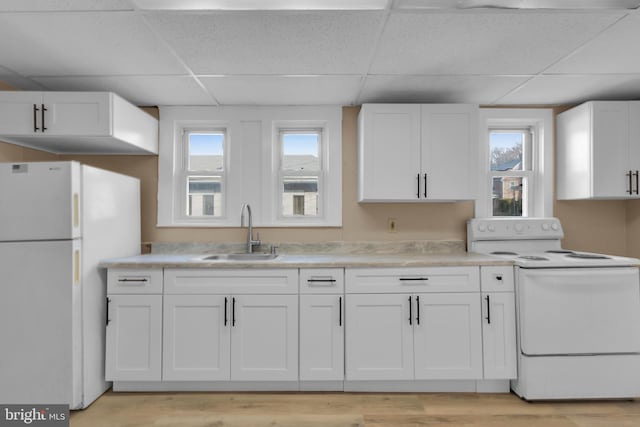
column 414, row 279
column 321, row 280
column 132, row 280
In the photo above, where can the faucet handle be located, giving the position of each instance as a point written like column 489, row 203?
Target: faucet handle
column 273, row 249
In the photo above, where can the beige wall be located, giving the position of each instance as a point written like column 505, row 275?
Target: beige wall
column 600, row 226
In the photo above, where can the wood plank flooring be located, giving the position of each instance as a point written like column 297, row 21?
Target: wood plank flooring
column 349, row 410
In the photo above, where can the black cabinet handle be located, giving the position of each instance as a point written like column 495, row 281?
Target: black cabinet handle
column 630, row 190
column 499, row 277
column 107, row 319
column 418, row 193
column 35, row 118
column 233, row 312
column 637, row 179
column 321, row 280
column 42, row 115
column 132, row 280
column 425, row 185
column 226, row 301
column 417, row 309
column 410, row 312
column 409, row 279
column 488, row 310
column 340, row 311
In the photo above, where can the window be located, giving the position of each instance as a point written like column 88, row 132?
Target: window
column 286, row 162
column 300, row 172
column 204, row 172
column 517, row 163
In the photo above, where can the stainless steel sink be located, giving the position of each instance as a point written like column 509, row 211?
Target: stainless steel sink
column 239, row 257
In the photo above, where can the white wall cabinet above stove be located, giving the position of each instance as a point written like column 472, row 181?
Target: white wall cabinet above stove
column 417, row 153
column 76, row 123
column 598, row 151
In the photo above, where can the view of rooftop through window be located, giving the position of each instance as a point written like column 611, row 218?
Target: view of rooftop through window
column 508, row 159
column 301, row 168
column 205, row 155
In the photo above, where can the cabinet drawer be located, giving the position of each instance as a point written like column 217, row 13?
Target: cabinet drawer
column 412, row 280
column 232, row 281
column 321, row 281
column 496, row 279
column 134, row 281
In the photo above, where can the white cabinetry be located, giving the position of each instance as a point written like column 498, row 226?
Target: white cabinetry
column 498, row 322
column 76, row 122
column 413, row 152
column 134, row 325
column 322, row 324
column 239, row 325
column 598, row 149
column 413, row 323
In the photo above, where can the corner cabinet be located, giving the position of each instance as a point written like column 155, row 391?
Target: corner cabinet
column 76, row 123
column 598, row 151
column 417, row 153
column 134, row 325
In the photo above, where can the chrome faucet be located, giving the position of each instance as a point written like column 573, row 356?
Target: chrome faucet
column 250, row 241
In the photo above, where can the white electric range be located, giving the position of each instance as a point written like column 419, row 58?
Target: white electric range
column 577, row 313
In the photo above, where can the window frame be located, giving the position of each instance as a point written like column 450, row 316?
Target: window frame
column 539, row 180
column 186, row 172
column 252, row 161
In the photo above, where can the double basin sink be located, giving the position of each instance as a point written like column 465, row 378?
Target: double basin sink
column 238, row 257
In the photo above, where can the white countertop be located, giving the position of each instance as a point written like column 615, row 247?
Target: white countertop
column 307, row 261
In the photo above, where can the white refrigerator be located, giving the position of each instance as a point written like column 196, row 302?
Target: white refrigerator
column 57, row 221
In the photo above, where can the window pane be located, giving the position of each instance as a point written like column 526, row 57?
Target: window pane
column 506, row 150
column 508, row 195
column 206, row 151
column 301, row 151
column 300, row 196
column 204, row 196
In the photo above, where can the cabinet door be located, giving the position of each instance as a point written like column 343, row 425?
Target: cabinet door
column 134, row 337
column 389, row 152
column 610, row 139
column 634, row 146
column 447, row 336
column 499, row 335
column 449, row 151
column 77, row 113
column 196, row 345
column 379, row 337
column 321, row 337
column 17, row 112
column 264, row 338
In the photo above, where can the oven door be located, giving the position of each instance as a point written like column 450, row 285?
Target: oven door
column 563, row 311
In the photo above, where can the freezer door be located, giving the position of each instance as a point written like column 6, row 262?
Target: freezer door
column 40, row 323
column 40, row 201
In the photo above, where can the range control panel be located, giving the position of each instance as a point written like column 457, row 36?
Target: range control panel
column 514, row 229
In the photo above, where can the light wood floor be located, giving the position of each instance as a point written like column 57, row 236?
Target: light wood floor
column 349, row 410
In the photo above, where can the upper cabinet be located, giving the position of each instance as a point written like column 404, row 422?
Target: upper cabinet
column 76, row 123
column 598, row 151
column 417, row 153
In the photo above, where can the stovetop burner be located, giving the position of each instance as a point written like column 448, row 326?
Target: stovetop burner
column 533, row 258
column 587, row 256
column 503, row 253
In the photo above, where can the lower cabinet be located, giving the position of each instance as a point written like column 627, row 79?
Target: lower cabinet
column 413, row 336
column 134, row 337
column 230, row 337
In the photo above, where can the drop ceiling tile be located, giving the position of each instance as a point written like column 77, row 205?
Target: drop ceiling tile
column 432, row 89
column 615, row 51
column 574, row 89
column 140, row 90
column 91, row 43
column 283, row 90
column 66, row 5
column 483, row 42
column 272, row 42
